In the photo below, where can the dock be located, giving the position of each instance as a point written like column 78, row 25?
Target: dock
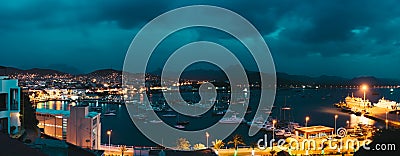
column 378, row 114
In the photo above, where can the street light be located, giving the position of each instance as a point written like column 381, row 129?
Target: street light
column 364, row 88
column 336, row 116
column 348, row 123
column 307, row 118
column 207, row 135
column 273, row 129
column 109, row 140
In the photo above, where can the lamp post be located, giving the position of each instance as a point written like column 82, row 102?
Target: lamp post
column 364, row 88
column 336, row 116
column 109, row 140
column 207, row 135
column 348, row 123
column 307, row 118
column 273, row 130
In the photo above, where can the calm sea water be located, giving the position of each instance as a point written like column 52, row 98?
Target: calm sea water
column 315, row 103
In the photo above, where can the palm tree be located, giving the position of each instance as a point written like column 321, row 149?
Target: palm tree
column 123, row 149
column 218, row 144
column 237, row 140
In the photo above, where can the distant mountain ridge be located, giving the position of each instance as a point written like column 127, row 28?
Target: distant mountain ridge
column 200, row 74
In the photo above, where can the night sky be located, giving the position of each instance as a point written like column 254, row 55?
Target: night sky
column 331, row 37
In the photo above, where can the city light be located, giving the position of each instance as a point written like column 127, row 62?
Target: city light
column 336, row 116
column 307, row 118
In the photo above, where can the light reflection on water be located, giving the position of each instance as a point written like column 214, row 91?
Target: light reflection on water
column 355, row 120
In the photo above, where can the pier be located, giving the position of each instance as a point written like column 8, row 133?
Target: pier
column 377, row 113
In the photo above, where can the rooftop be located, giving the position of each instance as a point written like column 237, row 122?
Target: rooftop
column 62, row 112
column 315, row 129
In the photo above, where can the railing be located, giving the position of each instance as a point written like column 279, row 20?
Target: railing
column 129, row 148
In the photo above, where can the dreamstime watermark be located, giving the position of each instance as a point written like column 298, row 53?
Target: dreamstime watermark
column 152, row 34
column 298, row 143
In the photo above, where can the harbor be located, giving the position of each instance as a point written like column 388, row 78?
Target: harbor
column 288, row 114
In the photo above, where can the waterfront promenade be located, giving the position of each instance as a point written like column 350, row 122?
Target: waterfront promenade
column 378, row 114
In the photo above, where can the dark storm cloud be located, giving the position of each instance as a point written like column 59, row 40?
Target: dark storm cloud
column 309, row 30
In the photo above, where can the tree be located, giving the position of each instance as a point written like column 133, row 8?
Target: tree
column 199, row 146
column 236, row 141
column 218, row 144
column 123, row 149
column 183, row 144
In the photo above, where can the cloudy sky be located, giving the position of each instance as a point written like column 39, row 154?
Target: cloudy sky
column 332, row 37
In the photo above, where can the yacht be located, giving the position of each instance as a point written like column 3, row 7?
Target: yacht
column 384, row 103
column 169, row 115
column 109, row 114
column 231, row 120
column 155, row 121
column 179, row 126
column 139, row 116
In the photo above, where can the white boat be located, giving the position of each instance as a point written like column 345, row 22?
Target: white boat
column 139, row 116
column 169, row 115
column 179, row 126
column 155, row 121
column 109, row 114
column 231, row 120
column 384, row 103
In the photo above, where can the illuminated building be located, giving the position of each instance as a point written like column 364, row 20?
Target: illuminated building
column 9, row 105
column 77, row 126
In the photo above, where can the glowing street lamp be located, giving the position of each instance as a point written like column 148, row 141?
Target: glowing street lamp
column 386, row 121
column 364, row 88
column 336, row 116
column 348, row 123
column 109, row 140
column 307, row 118
column 207, row 135
column 273, row 129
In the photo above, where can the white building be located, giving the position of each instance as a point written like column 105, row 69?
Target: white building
column 77, row 126
column 84, row 127
column 9, row 105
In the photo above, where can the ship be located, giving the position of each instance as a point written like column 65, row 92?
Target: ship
column 384, row 103
column 356, row 101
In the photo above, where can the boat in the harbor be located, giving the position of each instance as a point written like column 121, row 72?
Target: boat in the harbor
column 109, row 114
column 96, row 109
column 231, row 120
column 179, row 126
column 155, row 121
column 139, row 116
column 169, row 115
column 356, row 101
column 388, row 104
